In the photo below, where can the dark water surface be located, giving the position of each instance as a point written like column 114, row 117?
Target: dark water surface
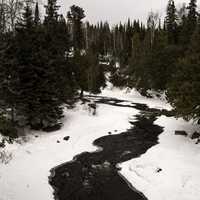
column 94, row 176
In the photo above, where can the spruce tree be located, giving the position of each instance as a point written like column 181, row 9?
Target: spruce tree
column 192, row 16
column 51, row 12
column 171, row 23
column 37, row 15
column 35, row 80
column 75, row 17
column 183, row 91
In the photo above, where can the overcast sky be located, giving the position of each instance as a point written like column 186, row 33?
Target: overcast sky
column 115, row 11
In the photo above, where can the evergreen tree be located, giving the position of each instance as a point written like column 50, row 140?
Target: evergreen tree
column 183, row 91
column 192, row 16
column 75, row 17
column 170, row 22
column 51, row 13
column 37, row 15
column 36, row 71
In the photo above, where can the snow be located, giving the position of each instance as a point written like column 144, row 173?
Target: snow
column 25, row 176
column 134, row 96
column 169, row 170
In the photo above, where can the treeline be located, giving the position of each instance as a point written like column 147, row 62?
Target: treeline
column 168, row 58
column 159, row 56
column 163, row 56
column 43, row 65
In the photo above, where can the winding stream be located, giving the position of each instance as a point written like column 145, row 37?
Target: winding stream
column 94, row 175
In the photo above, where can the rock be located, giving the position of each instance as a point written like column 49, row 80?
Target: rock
column 58, row 141
column 66, row 138
column 195, row 135
column 115, row 130
column 181, row 133
column 36, row 136
column 109, row 133
column 198, row 141
column 158, row 170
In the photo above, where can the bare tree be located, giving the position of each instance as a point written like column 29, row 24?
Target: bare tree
column 14, row 10
column 2, row 16
column 152, row 24
column 10, row 12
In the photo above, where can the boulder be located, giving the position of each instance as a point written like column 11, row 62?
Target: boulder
column 66, row 138
column 183, row 133
column 195, row 135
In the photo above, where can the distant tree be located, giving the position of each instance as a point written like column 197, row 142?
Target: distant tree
column 37, row 15
column 152, row 23
column 75, row 17
column 171, row 23
column 2, row 17
column 14, row 9
column 95, row 73
column 192, row 16
column 51, row 13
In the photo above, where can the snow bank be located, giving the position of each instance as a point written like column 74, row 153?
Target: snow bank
column 134, row 96
column 171, row 169
column 25, row 177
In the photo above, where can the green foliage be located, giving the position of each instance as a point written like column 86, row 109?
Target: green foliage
column 171, row 23
column 75, row 17
column 36, row 75
column 183, row 91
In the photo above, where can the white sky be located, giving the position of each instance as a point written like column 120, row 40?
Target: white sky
column 115, row 11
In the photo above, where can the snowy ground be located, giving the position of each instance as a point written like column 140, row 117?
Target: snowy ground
column 169, row 170
column 134, row 96
column 25, row 176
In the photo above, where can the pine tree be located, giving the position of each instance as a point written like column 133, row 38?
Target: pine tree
column 80, row 66
column 183, row 91
column 192, row 16
column 171, row 23
column 37, row 15
column 19, row 68
column 34, row 80
column 51, row 13
column 75, row 17
column 8, row 78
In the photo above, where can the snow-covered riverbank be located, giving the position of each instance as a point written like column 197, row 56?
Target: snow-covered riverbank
column 26, row 175
column 168, row 171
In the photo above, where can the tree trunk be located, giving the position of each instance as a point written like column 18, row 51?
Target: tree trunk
column 81, row 94
column 12, row 115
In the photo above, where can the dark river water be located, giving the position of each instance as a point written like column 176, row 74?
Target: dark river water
column 94, row 176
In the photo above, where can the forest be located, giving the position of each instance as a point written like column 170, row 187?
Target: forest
column 47, row 63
